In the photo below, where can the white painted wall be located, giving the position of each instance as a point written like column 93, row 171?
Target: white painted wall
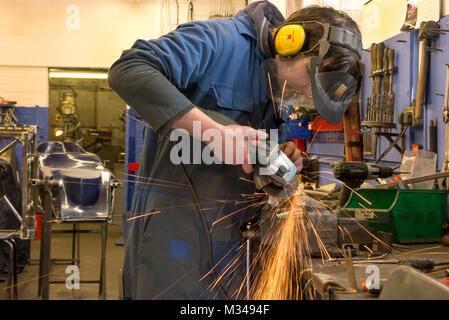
column 383, row 19
column 26, row 85
column 37, row 34
column 80, row 33
column 281, row 5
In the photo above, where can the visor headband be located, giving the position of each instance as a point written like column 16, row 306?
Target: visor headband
column 342, row 37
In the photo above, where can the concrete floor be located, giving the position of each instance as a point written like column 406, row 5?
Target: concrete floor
column 90, row 252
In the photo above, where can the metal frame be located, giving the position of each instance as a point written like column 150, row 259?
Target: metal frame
column 45, row 261
column 8, row 238
column 26, row 136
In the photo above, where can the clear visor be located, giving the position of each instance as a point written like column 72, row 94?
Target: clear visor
column 288, row 80
column 295, row 81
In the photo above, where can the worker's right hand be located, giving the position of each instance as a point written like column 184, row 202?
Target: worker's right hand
column 234, row 145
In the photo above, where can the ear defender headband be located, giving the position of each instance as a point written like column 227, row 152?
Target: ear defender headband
column 290, row 39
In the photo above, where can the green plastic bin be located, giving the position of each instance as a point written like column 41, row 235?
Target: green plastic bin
column 412, row 216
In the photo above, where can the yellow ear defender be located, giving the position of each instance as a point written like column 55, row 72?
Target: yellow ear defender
column 289, row 39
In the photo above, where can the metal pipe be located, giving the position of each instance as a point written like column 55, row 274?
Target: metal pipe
column 14, row 211
column 422, row 82
column 13, row 143
column 433, row 136
column 415, row 180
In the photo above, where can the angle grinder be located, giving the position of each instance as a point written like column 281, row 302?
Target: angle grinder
column 274, row 172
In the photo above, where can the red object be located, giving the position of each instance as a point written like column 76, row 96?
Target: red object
column 301, row 145
column 396, row 178
column 364, row 286
column 255, row 142
column 446, row 280
column 352, row 133
column 133, row 166
column 38, row 226
column 289, row 36
column 319, row 124
column 415, row 147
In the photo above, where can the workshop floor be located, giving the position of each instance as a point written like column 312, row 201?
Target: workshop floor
column 90, row 261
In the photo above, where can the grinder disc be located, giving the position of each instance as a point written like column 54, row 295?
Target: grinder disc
column 282, row 192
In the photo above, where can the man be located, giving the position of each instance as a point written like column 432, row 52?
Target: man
column 190, row 247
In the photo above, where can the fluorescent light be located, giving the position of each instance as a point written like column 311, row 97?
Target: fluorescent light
column 80, row 75
column 59, row 133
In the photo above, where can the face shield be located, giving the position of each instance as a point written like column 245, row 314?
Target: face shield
column 296, row 81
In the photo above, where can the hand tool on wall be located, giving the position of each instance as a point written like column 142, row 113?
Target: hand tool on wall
column 428, row 31
column 391, row 95
column 380, row 107
column 433, row 136
column 371, row 102
column 380, row 48
column 444, row 183
column 386, row 80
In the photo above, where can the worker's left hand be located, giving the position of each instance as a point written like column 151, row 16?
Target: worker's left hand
column 294, row 154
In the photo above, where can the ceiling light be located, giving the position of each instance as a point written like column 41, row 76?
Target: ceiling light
column 79, row 75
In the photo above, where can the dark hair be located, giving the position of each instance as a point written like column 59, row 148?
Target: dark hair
column 337, row 58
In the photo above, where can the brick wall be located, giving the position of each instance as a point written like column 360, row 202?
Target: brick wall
column 26, row 85
column 35, row 35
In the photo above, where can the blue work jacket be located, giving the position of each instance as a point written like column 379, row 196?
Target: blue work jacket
column 190, row 248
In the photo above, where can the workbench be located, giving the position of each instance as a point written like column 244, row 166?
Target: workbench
column 331, row 279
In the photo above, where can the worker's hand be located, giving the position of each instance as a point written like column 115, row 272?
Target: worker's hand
column 293, row 153
column 234, row 147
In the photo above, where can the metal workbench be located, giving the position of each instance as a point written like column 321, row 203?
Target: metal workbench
column 332, row 282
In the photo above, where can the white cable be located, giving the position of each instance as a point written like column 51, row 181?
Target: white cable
column 189, row 11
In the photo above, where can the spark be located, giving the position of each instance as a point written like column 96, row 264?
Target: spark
column 288, row 256
column 143, row 215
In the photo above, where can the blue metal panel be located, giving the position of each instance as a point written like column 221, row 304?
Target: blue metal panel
column 35, row 116
column 406, row 46
column 299, row 130
column 436, row 85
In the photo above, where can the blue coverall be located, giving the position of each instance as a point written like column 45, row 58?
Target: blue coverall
column 214, row 65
